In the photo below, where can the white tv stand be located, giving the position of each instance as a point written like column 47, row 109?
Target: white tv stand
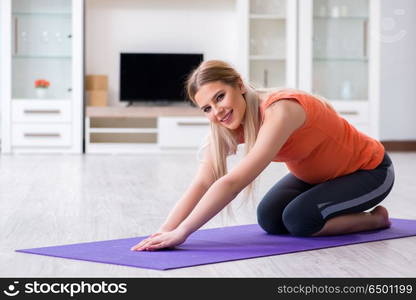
column 144, row 129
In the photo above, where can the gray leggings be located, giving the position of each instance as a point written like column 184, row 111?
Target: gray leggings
column 301, row 209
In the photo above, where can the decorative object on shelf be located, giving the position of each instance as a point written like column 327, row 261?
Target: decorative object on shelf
column 41, row 86
column 97, row 90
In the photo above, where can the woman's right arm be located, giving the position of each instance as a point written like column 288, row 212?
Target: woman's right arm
column 203, row 180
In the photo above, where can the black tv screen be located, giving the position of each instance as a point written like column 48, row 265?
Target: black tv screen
column 155, row 76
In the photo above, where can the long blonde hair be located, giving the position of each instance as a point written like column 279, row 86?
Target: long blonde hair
column 222, row 141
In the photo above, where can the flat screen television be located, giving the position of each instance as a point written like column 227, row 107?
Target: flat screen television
column 155, row 77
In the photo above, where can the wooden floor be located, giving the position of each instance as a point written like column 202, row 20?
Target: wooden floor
column 62, row 199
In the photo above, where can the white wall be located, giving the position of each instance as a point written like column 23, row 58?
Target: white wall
column 181, row 26
column 1, row 65
column 398, row 70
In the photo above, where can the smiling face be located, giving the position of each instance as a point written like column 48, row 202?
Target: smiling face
column 223, row 104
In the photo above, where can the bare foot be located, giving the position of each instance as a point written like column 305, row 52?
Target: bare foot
column 383, row 215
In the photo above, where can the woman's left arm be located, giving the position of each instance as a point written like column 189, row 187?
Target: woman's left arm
column 280, row 121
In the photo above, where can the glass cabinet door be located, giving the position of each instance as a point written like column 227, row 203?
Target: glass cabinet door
column 41, row 49
column 340, row 49
column 267, row 43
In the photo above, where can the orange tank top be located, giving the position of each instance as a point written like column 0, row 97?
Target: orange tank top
column 326, row 146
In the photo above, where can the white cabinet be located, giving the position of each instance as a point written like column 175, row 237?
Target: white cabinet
column 268, row 34
column 143, row 134
column 339, row 57
column 42, row 43
column 326, row 47
column 181, row 132
column 144, row 129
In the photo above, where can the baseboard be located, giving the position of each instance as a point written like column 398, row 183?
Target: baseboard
column 399, row 145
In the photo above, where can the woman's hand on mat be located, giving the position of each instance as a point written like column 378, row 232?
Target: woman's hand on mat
column 161, row 240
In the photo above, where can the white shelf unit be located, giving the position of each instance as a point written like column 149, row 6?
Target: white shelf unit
column 319, row 46
column 269, row 42
column 41, row 39
column 144, row 130
column 339, row 59
column 120, row 134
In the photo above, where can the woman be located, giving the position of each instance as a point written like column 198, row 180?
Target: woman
column 336, row 172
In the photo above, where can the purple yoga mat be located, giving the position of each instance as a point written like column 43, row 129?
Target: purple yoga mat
column 216, row 245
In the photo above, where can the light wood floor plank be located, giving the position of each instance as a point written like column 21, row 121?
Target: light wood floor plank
column 61, row 199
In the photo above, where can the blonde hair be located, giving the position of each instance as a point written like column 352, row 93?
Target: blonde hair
column 222, row 141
